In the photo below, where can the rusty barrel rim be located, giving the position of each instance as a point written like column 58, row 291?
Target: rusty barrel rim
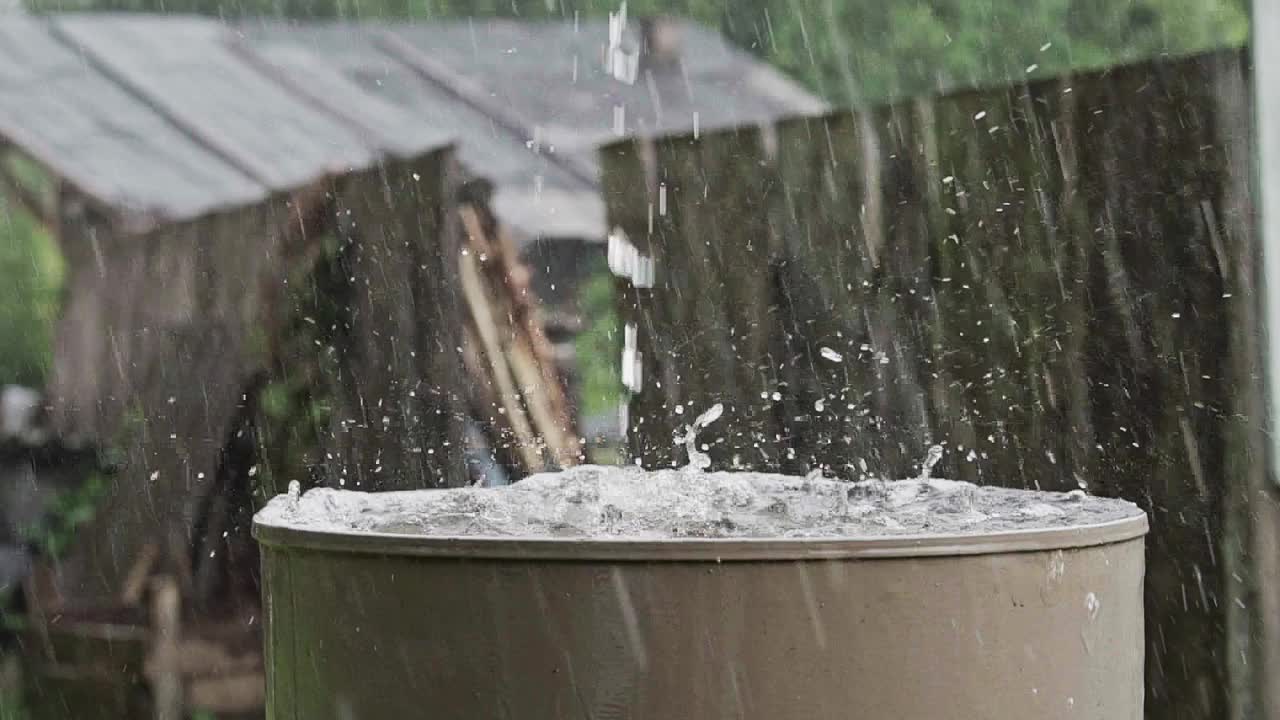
column 285, row 537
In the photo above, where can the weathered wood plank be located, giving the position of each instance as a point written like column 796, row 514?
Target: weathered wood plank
column 630, row 191
column 399, row 425
column 500, row 372
column 842, row 395
column 1045, row 278
column 527, row 394
column 1153, row 174
column 707, row 243
column 157, row 344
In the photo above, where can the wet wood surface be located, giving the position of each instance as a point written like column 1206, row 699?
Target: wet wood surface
column 1054, row 281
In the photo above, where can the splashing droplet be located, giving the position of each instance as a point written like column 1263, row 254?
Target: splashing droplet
column 711, row 415
column 1092, row 605
column 699, row 460
column 935, row 455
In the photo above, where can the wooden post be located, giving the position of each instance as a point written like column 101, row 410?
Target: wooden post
column 529, row 400
column 1253, row 504
column 166, row 655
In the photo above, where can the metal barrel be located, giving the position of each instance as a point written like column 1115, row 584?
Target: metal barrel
column 1042, row 624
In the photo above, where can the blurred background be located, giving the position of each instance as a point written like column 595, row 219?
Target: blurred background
column 206, row 208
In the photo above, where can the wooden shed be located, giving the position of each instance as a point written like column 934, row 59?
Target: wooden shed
column 532, row 101
column 191, row 182
column 206, row 182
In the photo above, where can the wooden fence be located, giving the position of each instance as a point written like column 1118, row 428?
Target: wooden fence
column 1055, row 280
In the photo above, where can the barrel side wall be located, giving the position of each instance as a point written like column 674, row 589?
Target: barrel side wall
column 1050, row 634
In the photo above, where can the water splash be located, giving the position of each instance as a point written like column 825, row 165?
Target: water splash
column 627, row 502
column 699, row 460
column 932, row 459
column 1092, row 606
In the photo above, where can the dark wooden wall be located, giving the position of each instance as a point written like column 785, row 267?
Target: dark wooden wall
column 166, row 336
column 1057, row 281
column 401, row 417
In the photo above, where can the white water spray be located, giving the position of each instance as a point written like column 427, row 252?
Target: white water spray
column 932, row 459
column 698, row 460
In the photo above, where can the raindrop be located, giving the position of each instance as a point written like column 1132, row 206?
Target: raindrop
column 711, row 415
column 619, row 120
column 1057, row 566
column 829, row 354
column 1092, row 605
column 699, row 460
column 934, row 456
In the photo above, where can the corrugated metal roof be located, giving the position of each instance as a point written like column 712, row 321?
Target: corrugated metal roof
column 551, row 77
column 531, row 101
column 177, row 116
column 68, row 114
column 535, row 193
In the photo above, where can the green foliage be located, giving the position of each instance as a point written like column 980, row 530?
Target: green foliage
column 851, row 51
column 295, row 406
column 31, row 273
column 12, row 624
column 11, row 708
column 70, row 511
column 877, row 50
column 599, row 345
